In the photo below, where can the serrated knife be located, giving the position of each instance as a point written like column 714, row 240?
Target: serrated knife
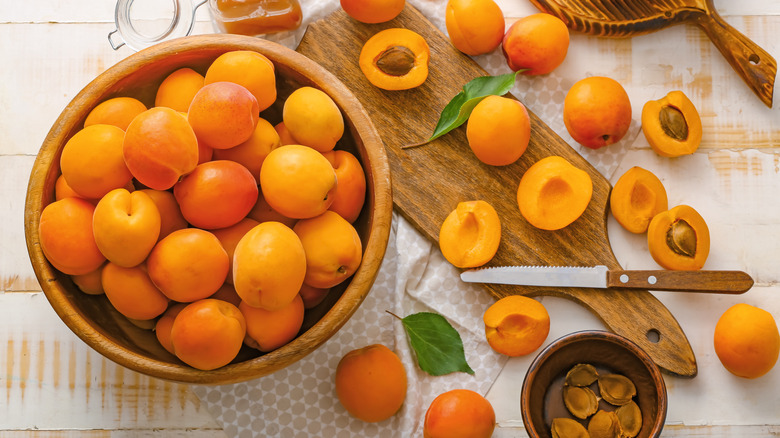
column 601, row 277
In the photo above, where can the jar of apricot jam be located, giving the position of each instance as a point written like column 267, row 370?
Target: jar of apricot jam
column 255, row 17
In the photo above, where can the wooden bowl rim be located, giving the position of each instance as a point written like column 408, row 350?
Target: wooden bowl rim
column 379, row 222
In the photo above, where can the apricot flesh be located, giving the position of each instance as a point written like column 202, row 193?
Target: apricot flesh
column 516, row 325
column 470, row 235
column 638, row 195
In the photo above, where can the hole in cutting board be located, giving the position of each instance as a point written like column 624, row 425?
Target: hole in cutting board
column 653, row 336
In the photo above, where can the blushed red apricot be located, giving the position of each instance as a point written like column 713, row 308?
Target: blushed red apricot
column 223, row 114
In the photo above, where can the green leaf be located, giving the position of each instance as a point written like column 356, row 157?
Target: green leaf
column 436, row 343
column 459, row 109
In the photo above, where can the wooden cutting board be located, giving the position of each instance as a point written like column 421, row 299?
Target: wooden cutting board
column 429, row 181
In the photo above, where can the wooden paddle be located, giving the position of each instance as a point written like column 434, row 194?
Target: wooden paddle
column 622, row 18
column 429, row 181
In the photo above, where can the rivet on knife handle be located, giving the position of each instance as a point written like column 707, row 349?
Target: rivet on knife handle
column 729, row 282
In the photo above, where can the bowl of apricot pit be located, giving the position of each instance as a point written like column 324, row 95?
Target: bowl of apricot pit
column 593, row 383
column 209, row 210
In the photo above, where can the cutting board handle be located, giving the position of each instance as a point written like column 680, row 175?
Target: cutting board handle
column 756, row 67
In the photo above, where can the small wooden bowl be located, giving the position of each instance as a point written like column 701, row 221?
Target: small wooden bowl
column 540, row 402
column 95, row 321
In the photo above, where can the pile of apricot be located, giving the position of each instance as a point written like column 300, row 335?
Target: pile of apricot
column 202, row 219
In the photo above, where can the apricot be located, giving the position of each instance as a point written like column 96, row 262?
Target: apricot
column 188, row 265
column 475, row 27
column 164, row 324
column 262, row 212
column 672, row 125
column 66, row 237
column 159, row 147
column 269, row 266
column 285, row 137
column 63, row 190
column 637, row 197
column 679, row 239
column 597, row 111
column 313, row 118
column 395, row 59
column 92, row 162
column 271, row 329
column 312, row 296
column 459, row 413
column 126, row 226
column 132, row 293
column 371, row 383
column 536, row 44
column 747, row 341
column 216, row 194
column 470, row 235
column 332, row 247
column 90, row 283
column 516, row 325
column 117, row 111
column 208, row 334
column 350, row 194
column 252, row 152
column 373, row 11
column 498, row 130
column 171, row 218
column 229, row 238
column 228, row 293
column 223, row 114
column 252, row 70
column 553, row 193
column 297, row 181
column 178, row 88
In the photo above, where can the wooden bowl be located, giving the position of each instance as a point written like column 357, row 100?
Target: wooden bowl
column 541, row 398
column 95, row 321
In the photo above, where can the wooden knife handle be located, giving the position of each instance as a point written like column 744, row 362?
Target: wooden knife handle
column 724, row 282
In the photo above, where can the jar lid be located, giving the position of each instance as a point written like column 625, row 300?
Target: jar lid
column 144, row 23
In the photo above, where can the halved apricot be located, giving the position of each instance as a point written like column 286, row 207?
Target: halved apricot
column 637, row 197
column 672, row 125
column 679, row 239
column 470, row 235
column 395, row 59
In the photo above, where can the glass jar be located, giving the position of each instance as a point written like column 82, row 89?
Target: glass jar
column 255, row 17
column 143, row 23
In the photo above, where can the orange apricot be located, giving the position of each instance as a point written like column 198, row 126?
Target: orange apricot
column 63, row 190
column 475, row 27
column 498, row 130
column 597, row 111
column 188, row 264
column 216, row 194
column 553, row 193
column 312, row 296
column 92, row 162
column 252, row 152
column 228, row 293
column 262, row 212
column 160, row 147
column 672, row 125
column 271, row 329
column 332, row 247
column 459, row 413
column 208, row 334
column 117, row 111
column 637, row 197
column 229, row 238
column 178, row 88
column 284, row 134
column 313, row 118
column 297, row 181
column 132, row 293
column 223, row 114
column 350, row 194
column 679, row 239
column 373, row 11
column 126, row 226
column 66, row 237
column 536, row 44
column 162, row 328
column 269, row 266
column 395, row 59
column 470, row 235
column 90, row 283
column 252, row 70
column 747, row 341
column 516, row 325
column 371, row 383
column 171, row 218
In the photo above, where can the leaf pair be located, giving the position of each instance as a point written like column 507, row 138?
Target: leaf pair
column 436, row 343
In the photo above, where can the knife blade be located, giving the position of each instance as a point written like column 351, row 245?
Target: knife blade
column 601, row 277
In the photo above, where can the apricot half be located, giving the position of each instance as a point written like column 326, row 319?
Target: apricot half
column 672, row 125
column 636, row 198
column 679, row 239
column 516, row 325
column 395, row 59
column 470, row 235
column 553, row 193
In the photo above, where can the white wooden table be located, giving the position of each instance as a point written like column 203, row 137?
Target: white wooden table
column 52, row 384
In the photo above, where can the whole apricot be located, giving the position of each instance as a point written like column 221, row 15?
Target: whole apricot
column 92, row 162
column 117, row 111
column 262, row 212
column 516, row 325
column 747, row 341
column 228, row 293
column 63, row 190
column 312, row 296
column 126, row 226
column 90, row 283
column 208, row 334
column 475, row 27
column 229, row 238
column 597, row 111
column 459, row 413
column 284, row 134
column 536, row 44
column 223, row 114
column 252, row 152
column 252, row 70
column 470, row 235
column 371, row 383
column 171, row 218
column 66, row 237
column 373, row 11
column 132, row 293
column 297, row 181
column 313, row 118
column 498, row 130
column 269, row 266
column 178, row 88
column 159, row 147
column 162, row 328
column 350, row 194
column 332, row 247
column 271, row 329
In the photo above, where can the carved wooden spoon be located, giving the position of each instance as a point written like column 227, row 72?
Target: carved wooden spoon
column 622, row 18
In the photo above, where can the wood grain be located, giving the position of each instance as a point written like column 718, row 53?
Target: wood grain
column 429, row 181
column 622, row 18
